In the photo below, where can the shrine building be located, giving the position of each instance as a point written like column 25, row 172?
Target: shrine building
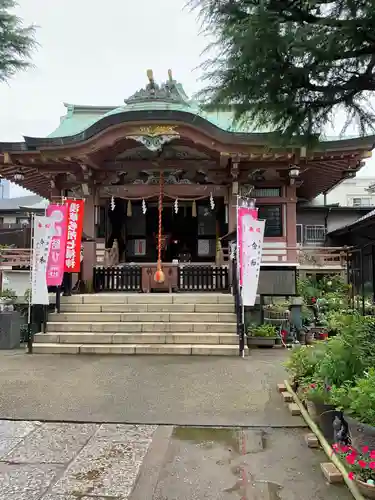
column 159, row 145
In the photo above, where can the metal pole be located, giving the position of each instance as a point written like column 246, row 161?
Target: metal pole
column 29, row 308
column 58, row 299
column 362, row 275
column 242, row 332
column 373, row 272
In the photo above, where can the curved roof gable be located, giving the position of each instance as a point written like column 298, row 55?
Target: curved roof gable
column 169, row 96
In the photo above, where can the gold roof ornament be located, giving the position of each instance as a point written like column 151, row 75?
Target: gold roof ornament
column 170, row 76
column 150, row 75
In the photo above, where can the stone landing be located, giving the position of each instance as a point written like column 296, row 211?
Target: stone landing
column 184, row 324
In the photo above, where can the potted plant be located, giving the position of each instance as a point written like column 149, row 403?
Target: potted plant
column 358, row 404
column 261, row 335
column 302, row 364
column 7, row 299
column 317, row 396
column 360, row 466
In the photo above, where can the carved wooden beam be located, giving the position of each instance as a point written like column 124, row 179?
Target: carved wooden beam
column 138, row 165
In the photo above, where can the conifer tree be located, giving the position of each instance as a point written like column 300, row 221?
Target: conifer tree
column 290, row 65
column 16, row 41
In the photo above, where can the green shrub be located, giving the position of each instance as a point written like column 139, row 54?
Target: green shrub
column 264, row 330
column 358, row 400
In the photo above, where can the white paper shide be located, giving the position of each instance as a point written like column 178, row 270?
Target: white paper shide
column 43, row 232
column 252, row 245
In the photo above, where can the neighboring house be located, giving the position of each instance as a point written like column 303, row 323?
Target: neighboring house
column 15, row 220
column 355, row 192
column 315, row 222
column 4, row 188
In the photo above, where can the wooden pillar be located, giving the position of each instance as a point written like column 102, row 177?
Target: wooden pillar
column 291, row 223
column 89, row 247
column 232, row 208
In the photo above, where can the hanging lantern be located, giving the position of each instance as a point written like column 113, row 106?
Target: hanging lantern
column 129, row 209
column 18, row 176
column 194, row 209
column 113, row 204
column 176, row 206
column 144, row 207
column 212, row 202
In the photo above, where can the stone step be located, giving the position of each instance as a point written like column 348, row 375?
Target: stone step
column 137, row 327
column 136, row 338
column 67, row 307
column 149, row 298
column 161, row 349
column 163, row 317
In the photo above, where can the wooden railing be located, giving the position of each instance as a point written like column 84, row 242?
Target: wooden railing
column 117, row 279
column 14, row 257
column 191, row 278
column 307, row 257
column 313, row 257
column 202, row 278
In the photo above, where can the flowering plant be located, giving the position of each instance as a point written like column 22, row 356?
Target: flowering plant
column 317, row 391
column 360, row 464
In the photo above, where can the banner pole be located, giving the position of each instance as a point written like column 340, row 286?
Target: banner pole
column 29, row 307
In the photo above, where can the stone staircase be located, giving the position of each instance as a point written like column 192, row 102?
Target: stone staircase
column 120, row 323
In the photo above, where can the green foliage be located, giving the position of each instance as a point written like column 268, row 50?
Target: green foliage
column 342, row 361
column 303, row 361
column 27, row 295
column 289, row 65
column 357, row 400
column 16, row 41
column 264, row 330
column 8, row 294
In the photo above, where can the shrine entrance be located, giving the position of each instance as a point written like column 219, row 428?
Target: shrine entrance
column 188, row 235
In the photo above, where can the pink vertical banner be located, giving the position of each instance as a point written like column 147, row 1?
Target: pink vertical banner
column 58, row 215
column 241, row 212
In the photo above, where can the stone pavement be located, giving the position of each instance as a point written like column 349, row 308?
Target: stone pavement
column 73, row 436
column 69, row 461
column 173, row 390
column 57, row 461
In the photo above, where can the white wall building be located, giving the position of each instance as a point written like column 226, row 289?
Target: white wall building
column 350, row 193
column 4, row 189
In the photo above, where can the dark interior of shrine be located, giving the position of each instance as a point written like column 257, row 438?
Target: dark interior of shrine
column 188, row 234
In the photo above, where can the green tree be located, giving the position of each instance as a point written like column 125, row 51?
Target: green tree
column 290, row 65
column 16, row 41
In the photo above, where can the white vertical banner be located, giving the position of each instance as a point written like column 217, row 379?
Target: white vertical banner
column 252, row 245
column 43, row 232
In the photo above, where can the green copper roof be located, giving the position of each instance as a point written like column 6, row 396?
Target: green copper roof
column 169, row 96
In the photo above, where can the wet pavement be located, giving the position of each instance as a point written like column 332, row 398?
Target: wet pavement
column 45, row 461
column 72, row 436
column 176, row 390
column 243, row 464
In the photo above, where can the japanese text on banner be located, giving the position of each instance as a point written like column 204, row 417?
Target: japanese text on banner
column 43, row 231
column 74, row 236
column 253, row 233
column 241, row 213
column 58, row 215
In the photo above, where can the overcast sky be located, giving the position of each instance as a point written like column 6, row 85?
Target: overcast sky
column 98, row 53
